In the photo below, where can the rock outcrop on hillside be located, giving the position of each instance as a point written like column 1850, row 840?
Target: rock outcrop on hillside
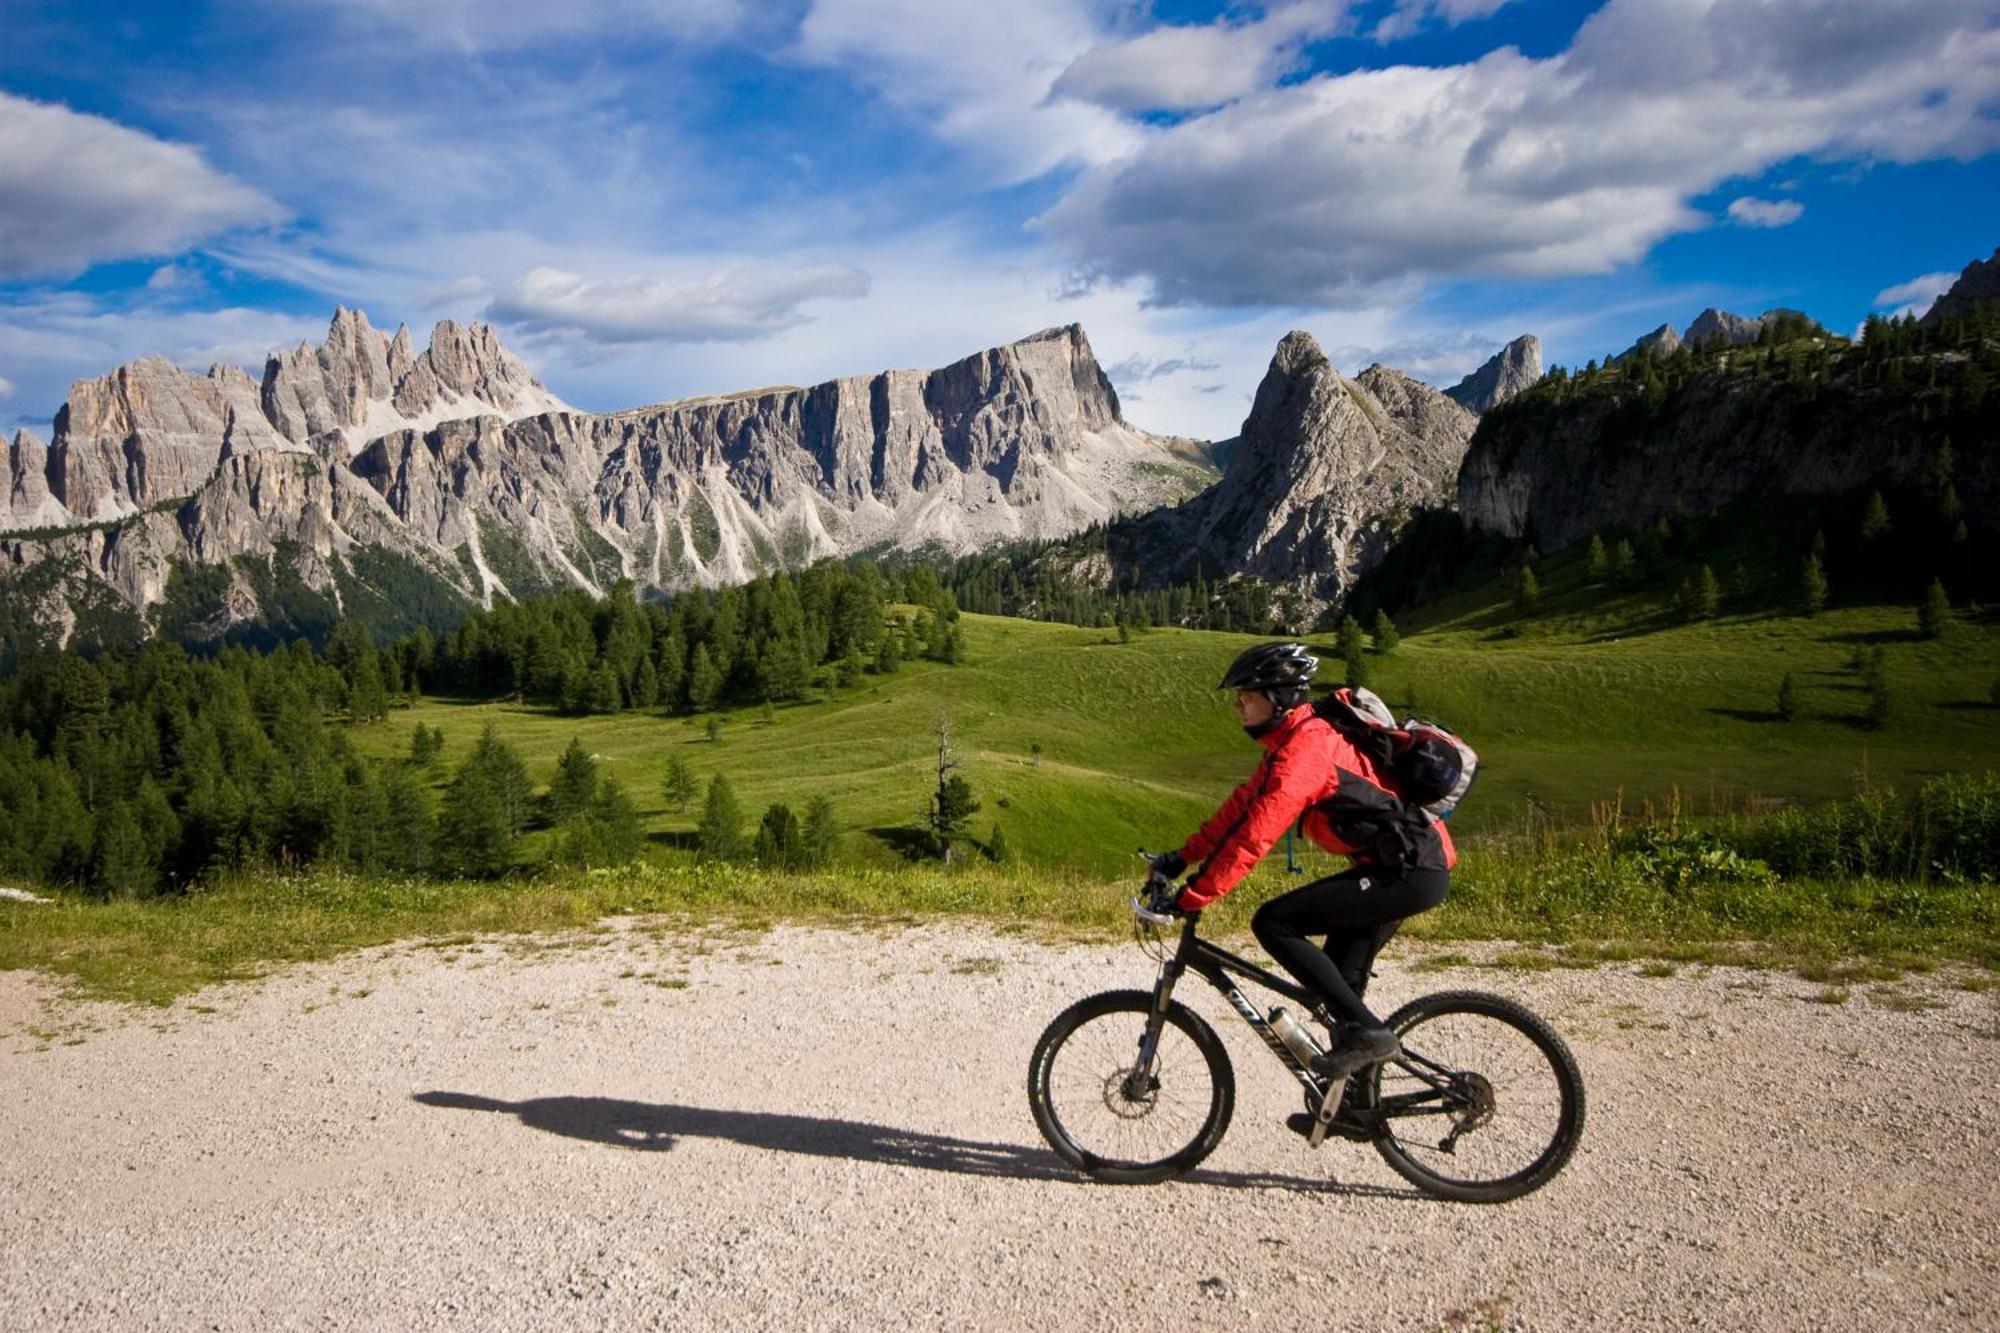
column 1512, row 369
column 1980, row 281
column 1324, row 471
column 1820, row 421
column 465, row 472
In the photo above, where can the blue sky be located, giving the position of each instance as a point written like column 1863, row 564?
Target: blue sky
column 655, row 198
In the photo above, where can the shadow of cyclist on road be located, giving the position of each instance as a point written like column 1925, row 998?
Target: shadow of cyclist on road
column 648, row 1127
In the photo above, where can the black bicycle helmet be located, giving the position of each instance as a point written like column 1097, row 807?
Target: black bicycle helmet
column 1283, row 671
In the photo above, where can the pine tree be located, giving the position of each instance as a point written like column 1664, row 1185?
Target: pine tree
column 714, row 731
column 475, row 837
column 506, row 776
column 704, row 679
column 574, row 783
column 1599, row 560
column 1874, row 519
column 1788, row 698
column 1527, row 592
column 819, row 832
column 605, row 832
column 1704, row 594
column 1351, row 640
column 720, row 834
column 1624, row 562
column 779, row 845
column 1812, row 586
column 645, row 684
column 888, row 655
column 119, row 863
column 1384, row 632
column 997, row 849
column 952, row 802
column 679, row 786
column 600, row 692
column 368, row 694
column 952, row 809
column 1357, row 669
column 409, row 831
column 614, row 821
column 425, row 745
column 1934, row 611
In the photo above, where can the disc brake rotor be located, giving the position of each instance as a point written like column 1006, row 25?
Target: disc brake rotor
column 1129, row 1097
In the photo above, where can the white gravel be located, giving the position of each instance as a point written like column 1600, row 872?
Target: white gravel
column 827, row 1129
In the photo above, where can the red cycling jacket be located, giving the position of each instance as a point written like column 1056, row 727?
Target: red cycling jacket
column 1307, row 764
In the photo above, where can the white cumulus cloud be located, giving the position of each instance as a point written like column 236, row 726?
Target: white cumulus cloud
column 1328, row 190
column 1751, row 212
column 731, row 305
column 77, row 189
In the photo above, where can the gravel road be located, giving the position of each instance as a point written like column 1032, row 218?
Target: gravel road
column 665, row 1126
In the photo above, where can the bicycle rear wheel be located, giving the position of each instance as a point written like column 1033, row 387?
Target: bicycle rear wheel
column 1486, row 1103
column 1114, row 1121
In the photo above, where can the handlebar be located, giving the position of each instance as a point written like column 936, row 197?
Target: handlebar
column 1155, row 905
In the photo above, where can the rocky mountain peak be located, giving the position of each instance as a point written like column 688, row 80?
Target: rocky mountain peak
column 1513, row 368
column 1298, row 354
column 1321, row 465
column 1980, row 281
column 1712, row 324
column 1663, row 341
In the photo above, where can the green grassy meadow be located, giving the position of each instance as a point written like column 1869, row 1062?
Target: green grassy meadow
column 1136, row 746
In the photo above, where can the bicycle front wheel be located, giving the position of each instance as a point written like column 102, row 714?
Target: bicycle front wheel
column 1115, row 1121
column 1486, row 1103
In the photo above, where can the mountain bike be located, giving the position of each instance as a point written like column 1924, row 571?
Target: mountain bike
column 1484, row 1104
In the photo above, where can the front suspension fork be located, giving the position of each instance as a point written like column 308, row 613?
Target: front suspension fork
column 1156, row 1017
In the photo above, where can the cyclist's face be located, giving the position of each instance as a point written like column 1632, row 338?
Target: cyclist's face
column 1253, row 708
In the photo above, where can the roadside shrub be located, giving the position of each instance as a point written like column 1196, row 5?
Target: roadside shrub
column 1948, row 829
column 1678, row 857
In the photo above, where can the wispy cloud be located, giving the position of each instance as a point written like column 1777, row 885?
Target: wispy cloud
column 1195, row 66
column 978, row 75
column 475, row 26
column 1751, row 212
column 1410, row 16
column 733, row 305
column 1915, row 296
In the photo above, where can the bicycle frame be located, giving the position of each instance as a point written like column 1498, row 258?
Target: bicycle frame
column 1216, row 966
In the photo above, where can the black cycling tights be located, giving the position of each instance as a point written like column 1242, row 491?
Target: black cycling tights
column 1357, row 911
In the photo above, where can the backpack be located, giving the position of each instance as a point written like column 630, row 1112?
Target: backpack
column 1429, row 765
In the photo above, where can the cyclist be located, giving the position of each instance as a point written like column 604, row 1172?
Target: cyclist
column 1400, row 866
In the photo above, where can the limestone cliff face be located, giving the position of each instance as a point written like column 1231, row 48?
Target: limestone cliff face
column 147, row 432
column 150, row 432
column 1323, row 472
column 1018, row 441
column 456, row 462
column 1513, row 368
